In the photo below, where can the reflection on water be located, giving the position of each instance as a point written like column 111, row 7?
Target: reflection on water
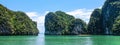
column 40, row 40
column 88, row 41
column 22, row 40
column 105, row 40
column 59, row 40
column 67, row 40
column 82, row 40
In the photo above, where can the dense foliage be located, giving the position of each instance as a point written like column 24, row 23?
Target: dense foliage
column 106, row 20
column 116, row 26
column 110, row 11
column 16, row 23
column 60, row 23
column 94, row 25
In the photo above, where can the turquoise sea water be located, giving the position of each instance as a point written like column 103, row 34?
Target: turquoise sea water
column 59, row 40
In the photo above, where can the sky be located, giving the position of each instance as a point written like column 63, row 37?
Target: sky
column 37, row 9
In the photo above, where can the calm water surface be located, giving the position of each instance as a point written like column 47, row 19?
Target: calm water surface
column 59, row 40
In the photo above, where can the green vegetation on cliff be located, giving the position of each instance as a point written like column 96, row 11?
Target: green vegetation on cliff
column 116, row 26
column 16, row 23
column 60, row 23
column 110, row 11
column 95, row 23
column 106, row 20
column 78, row 26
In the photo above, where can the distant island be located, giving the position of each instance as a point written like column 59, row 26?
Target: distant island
column 16, row 23
column 105, row 21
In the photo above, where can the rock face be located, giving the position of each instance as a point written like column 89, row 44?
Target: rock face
column 95, row 23
column 104, row 21
column 16, row 23
column 78, row 27
column 110, row 11
column 60, row 23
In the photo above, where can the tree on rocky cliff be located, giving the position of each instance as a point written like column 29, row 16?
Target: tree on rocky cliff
column 60, row 23
column 16, row 23
column 95, row 23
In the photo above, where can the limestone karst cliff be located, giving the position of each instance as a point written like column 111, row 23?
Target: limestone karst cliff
column 16, row 23
column 60, row 23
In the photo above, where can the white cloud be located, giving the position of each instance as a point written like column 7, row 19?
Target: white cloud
column 39, row 18
column 32, row 14
column 100, row 7
column 83, row 14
